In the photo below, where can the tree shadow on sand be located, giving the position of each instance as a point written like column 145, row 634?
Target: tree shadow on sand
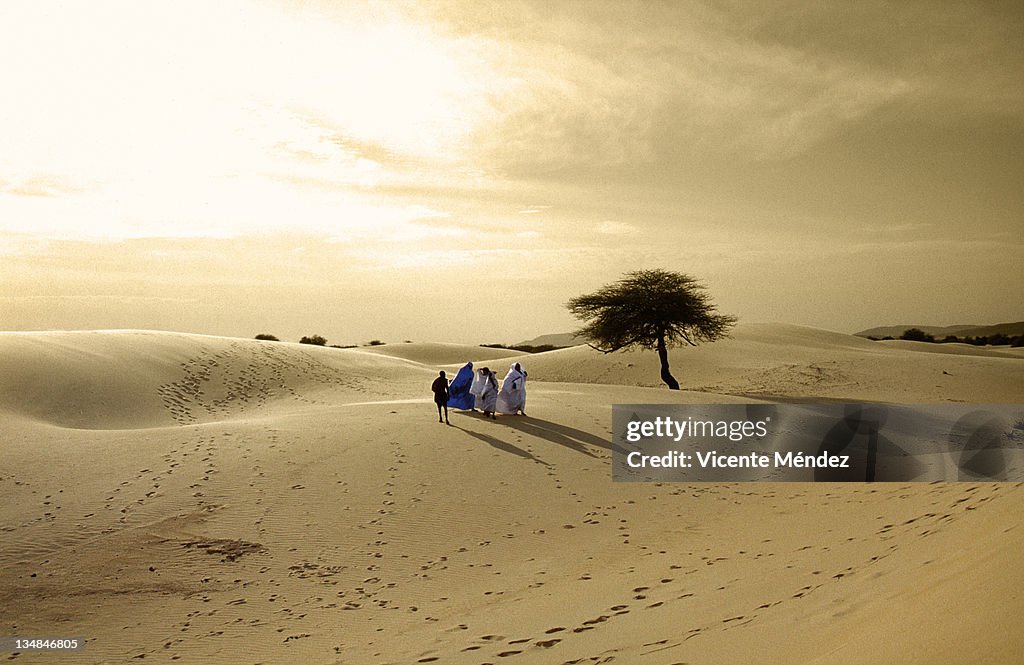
column 502, row 445
column 563, row 435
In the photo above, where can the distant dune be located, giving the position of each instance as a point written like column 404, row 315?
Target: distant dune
column 441, row 354
column 195, row 499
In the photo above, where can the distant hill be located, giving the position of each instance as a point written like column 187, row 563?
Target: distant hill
column 970, row 330
column 1008, row 329
column 896, row 331
column 554, row 339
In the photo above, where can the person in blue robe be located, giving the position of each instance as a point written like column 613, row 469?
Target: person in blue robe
column 459, row 396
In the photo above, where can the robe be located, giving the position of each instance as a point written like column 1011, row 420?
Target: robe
column 459, row 396
column 488, row 398
column 512, row 396
column 477, row 387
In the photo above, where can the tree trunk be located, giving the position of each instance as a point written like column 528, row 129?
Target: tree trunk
column 666, row 376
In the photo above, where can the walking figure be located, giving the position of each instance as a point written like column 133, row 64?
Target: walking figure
column 440, row 388
column 460, row 394
column 512, row 396
column 488, row 398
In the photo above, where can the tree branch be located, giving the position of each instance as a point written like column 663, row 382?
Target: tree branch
column 616, row 347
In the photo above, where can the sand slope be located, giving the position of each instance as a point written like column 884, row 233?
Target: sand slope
column 774, row 360
column 196, row 499
column 132, row 379
column 443, row 354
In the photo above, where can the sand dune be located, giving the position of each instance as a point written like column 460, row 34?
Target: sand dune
column 774, row 360
column 133, row 379
column 182, row 498
column 443, row 354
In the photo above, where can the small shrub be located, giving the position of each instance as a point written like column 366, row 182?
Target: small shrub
column 375, row 342
column 316, row 340
column 266, row 337
column 540, row 348
column 524, row 348
column 916, row 335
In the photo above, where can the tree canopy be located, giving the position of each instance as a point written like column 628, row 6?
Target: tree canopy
column 650, row 309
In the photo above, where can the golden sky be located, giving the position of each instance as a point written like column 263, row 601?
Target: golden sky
column 457, row 171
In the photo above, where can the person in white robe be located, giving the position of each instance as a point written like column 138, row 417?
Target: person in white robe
column 512, row 396
column 477, row 387
column 488, row 398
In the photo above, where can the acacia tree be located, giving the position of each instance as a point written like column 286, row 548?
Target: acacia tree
column 650, row 309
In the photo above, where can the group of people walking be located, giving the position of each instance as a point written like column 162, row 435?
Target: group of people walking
column 471, row 390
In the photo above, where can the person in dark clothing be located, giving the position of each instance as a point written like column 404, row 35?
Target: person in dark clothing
column 440, row 388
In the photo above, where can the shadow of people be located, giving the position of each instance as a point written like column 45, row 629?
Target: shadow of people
column 503, row 446
column 871, row 454
column 563, row 435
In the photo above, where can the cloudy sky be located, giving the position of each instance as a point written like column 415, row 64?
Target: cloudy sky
column 456, row 171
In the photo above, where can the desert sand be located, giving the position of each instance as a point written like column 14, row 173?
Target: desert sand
column 185, row 498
